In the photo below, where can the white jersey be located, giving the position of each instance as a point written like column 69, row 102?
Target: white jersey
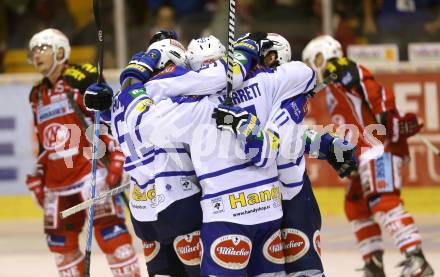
column 233, row 189
column 286, row 120
column 161, row 176
column 279, row 113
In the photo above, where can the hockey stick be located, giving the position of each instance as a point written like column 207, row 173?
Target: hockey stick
column 91, row 202
column 230, row 57
column 97, row 15
column 429, row 144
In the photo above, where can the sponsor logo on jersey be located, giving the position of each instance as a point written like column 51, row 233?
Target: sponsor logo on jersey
column 142, row 105
column 188, row 248
column 186, row 184
column 74, row 73
column 137, row 92
column 53, row 110
column 243, row 199
column 295, row 244
column 155, row 198
column 124, row 251
column 53, row 240
column 231, row 251
column 273, row 248
column 383, row 173
column 138, row 194
column 55, row 135
column 151, row 249
column 317, row 242
column 217, row 205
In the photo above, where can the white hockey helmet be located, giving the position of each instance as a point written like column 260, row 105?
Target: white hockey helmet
column 202, row 50
column 326, row 45
column 281, row 46
column 53, row 38
column 171, row 51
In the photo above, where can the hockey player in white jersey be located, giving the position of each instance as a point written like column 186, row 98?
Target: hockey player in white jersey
column 163, row 190
column 241, row 205
column 297, row 193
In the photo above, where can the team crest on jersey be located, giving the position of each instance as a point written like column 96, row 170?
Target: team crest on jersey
column 55, row 135
column 188, row 248
column 273, row 248
column 317, row 242
column 151, row 249
column 231, row 251
column 295, row 244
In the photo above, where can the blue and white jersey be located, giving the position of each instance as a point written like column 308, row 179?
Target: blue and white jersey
column 159, row 176
column 163, row 175
column 282, row 114
column 208, row 80
column 286, row 120
column 233, row 189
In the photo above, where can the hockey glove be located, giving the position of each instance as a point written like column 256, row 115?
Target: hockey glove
column 35, row 184
column 98, row 97
column 237, row 120
column 163, row 34
column 400, row 127
column 339, row 153
column 247, row 53
column 260, row 39
column 115, row 168
column 141, row 66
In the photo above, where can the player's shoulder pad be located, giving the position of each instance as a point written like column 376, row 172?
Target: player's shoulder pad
column 346, row 70
column 296, row 107
column 80, row 75
column 259, row 69
column 171, row 71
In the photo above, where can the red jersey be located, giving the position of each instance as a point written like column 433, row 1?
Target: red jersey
column 357, row 98
column 59, row 127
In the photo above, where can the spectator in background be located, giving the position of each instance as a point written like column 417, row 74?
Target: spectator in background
column 401, row 21
column 166, row 20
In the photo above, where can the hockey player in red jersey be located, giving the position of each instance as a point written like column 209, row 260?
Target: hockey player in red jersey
column 62, row 174
column 372, row 202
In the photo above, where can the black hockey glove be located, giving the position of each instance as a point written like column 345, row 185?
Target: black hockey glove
column 341, row 157
column 260, row 38
column 236, row 120
column 98, row 97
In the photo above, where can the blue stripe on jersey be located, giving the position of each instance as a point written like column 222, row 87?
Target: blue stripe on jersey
column 167, row 174
column 138, row 121
column 280, row 115
column 310, row 81
column 247, row 186
column 179, row 99
column 293, row 185
column 290, row 164
column 284, row 122
column 141, row 163
column 225, row 170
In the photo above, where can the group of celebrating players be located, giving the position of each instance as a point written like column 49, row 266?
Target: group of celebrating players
column 218, row 183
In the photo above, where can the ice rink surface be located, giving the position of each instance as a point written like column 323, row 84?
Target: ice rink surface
column 23, row 251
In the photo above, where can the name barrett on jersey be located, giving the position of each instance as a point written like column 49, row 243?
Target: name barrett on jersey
column 244, row 94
